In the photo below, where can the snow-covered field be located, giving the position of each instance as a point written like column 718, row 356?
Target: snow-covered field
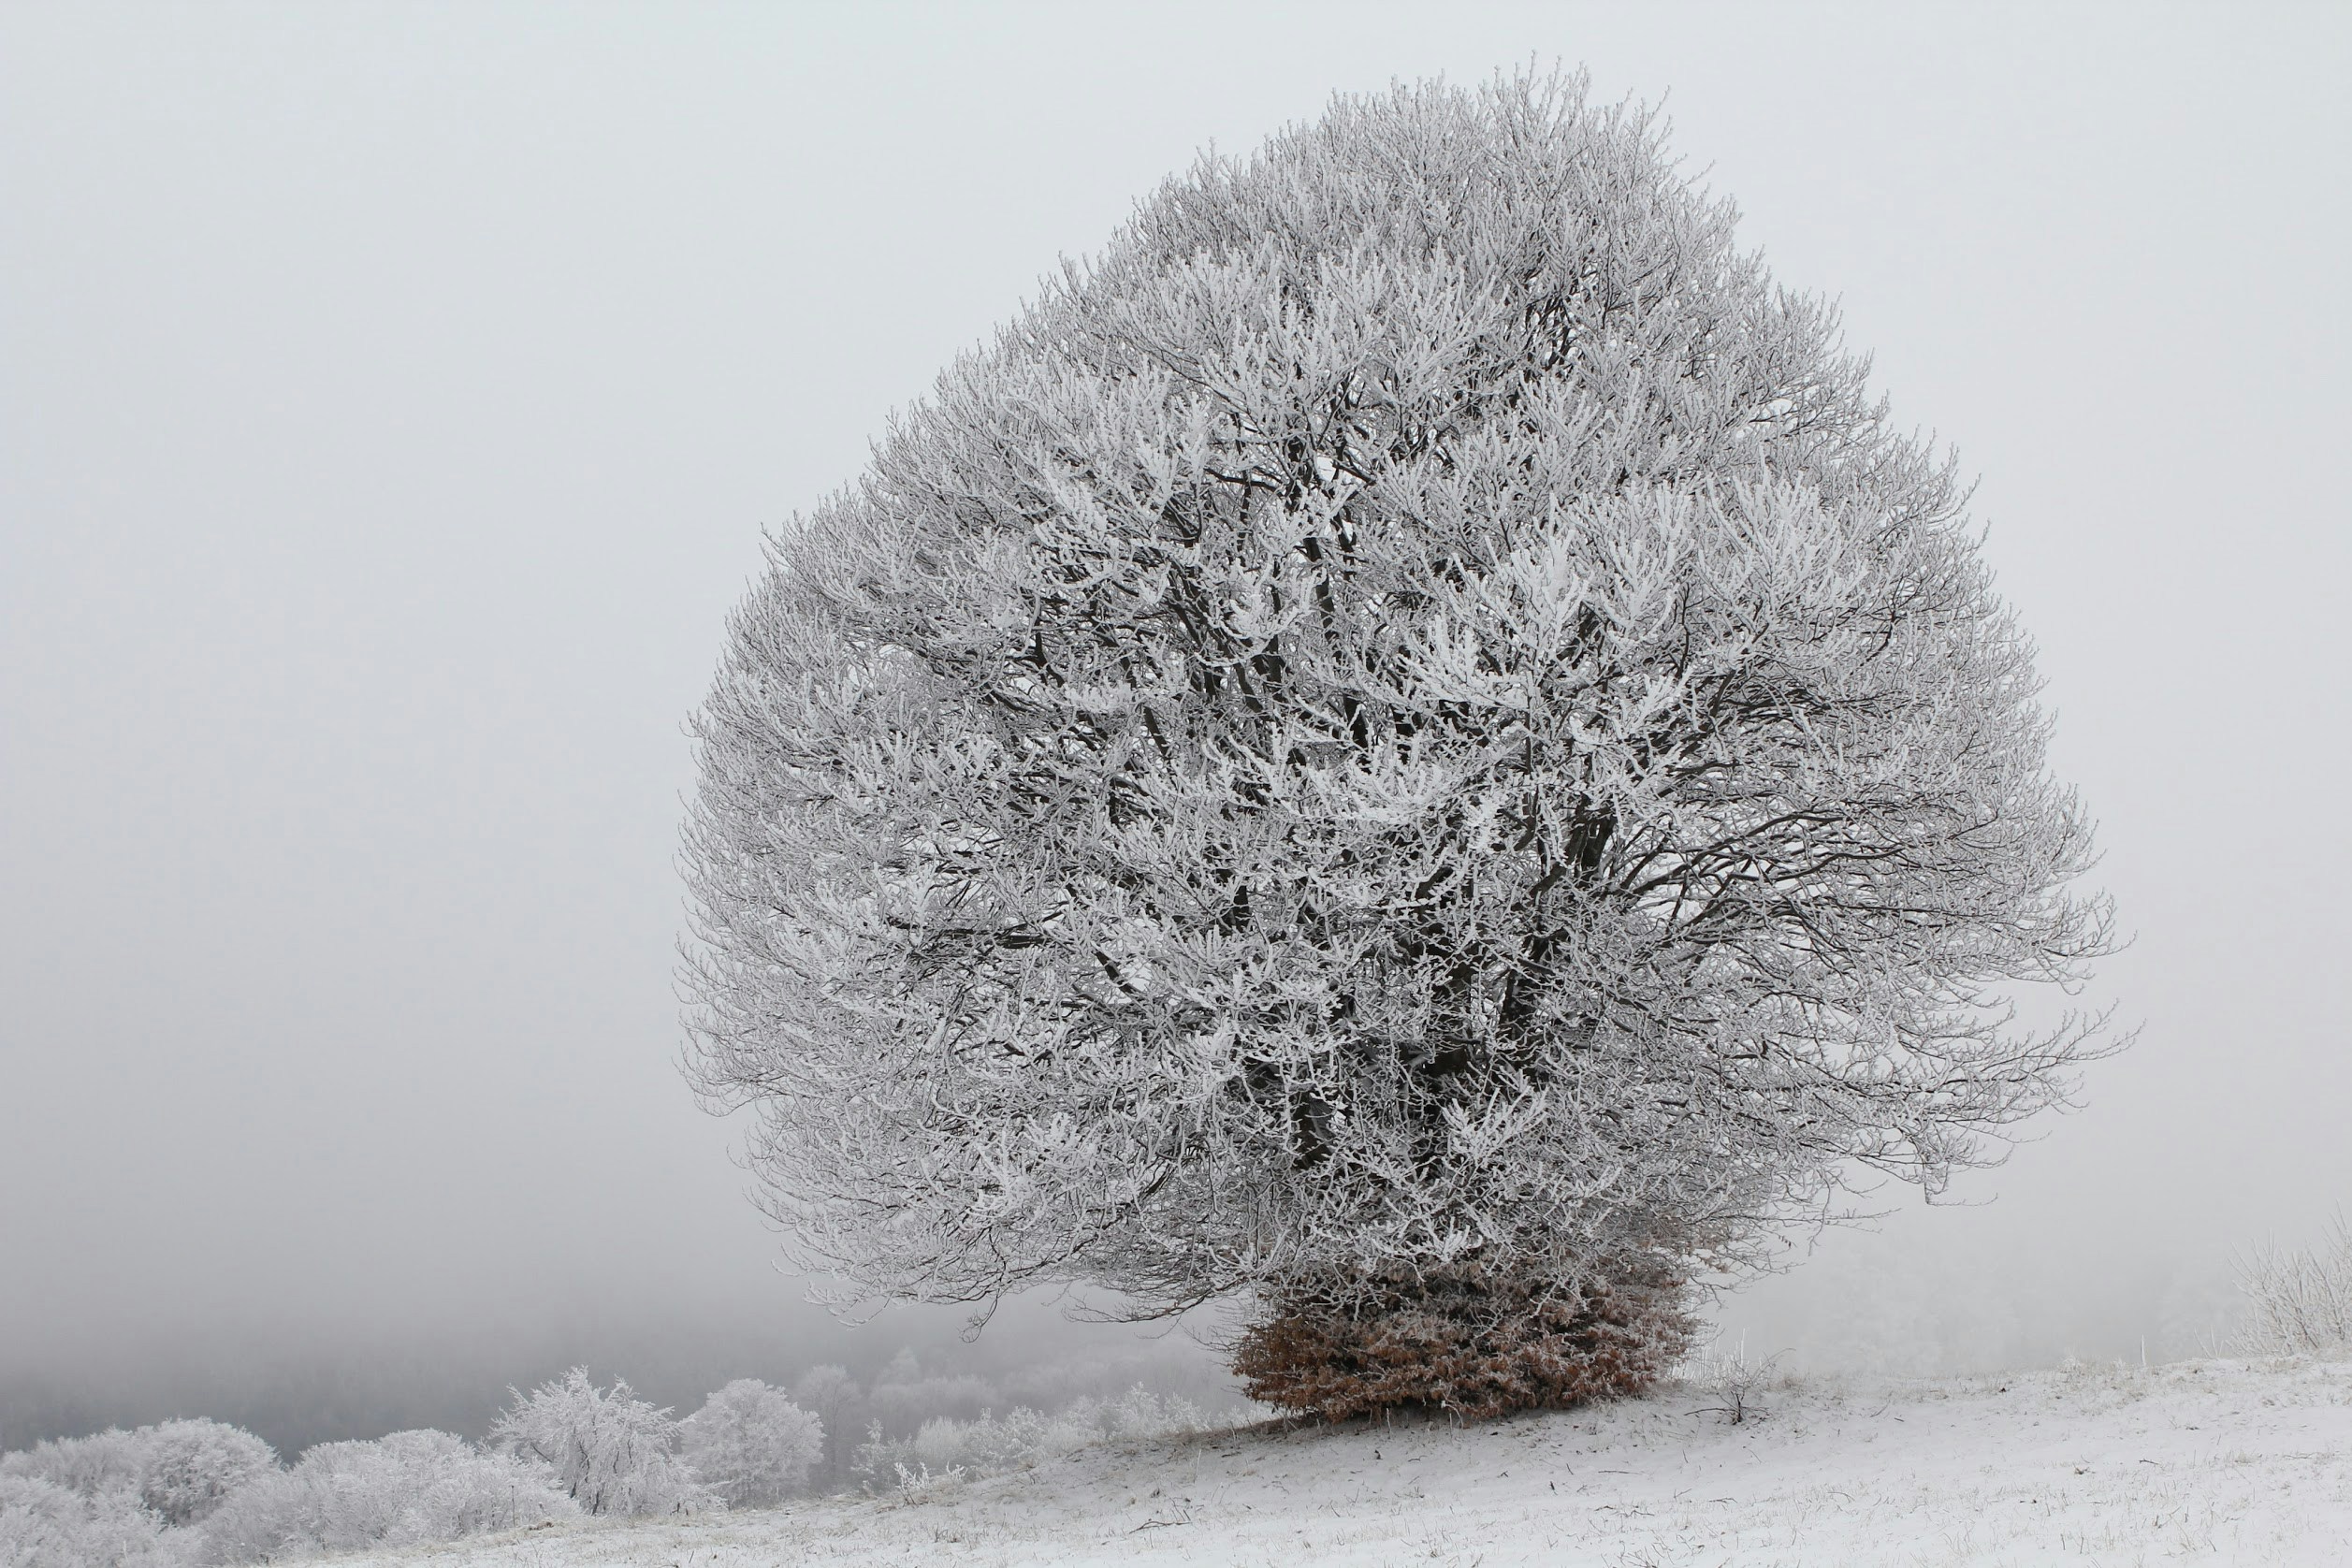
column 2210, row 1462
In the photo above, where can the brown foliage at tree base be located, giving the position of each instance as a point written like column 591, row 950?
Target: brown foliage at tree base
column 1467, row 1344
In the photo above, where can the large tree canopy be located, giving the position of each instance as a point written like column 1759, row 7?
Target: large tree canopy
column 1411, row 715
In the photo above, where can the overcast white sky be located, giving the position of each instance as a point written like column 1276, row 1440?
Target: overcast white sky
column 391, row 398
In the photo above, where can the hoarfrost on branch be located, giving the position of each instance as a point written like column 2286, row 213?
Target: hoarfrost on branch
column 1413, row 713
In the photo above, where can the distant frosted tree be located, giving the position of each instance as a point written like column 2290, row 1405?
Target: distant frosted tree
column 1409, row 740
column 191, row 1466
column 903, row 1397
column 833, row 1396
column 179, row 1469
column 112, row 1461
column 611, row 1452
column 751, row 1444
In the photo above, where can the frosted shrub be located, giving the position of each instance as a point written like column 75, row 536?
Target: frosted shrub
column 192, row 1466
column 111, row 1461
column 1730, row 1378
column 751, row 1444
column 410, row 1487
column 919, row 1485
column 181, row 1469
column 2299, row 1302
column 1409, row 741
column 989, row 1446
column 40, row 1523
column 993, row 1444
column 1137, row 1416
column 46, row 1525
column 611, row 1452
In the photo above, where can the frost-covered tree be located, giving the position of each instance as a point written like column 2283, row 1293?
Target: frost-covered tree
column 191, row 1467
column 179, row 1469
column 611, row 1452
column 44, row 1524
column 829, row 1393
column 1409, row 740
column 112, row 1461
column 751, row 1444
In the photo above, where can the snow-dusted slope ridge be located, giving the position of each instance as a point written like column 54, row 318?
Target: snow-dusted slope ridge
column 2215, row 1461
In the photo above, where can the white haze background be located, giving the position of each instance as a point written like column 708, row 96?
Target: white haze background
column 390, row 399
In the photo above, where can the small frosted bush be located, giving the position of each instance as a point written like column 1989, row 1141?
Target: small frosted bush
column 750, row 1444
column 410, row 1487
column 920, row 1485
column 990, row 1445
column 46, row 1525
column 1731, row 1379
column 611, row 1452
column 2301, row 1301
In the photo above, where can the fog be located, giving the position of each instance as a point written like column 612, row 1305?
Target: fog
column 391, row 401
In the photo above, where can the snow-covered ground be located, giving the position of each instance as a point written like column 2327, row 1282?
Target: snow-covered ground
column 2212, row 1462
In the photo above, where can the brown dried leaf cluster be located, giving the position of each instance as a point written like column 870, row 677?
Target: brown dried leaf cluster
column 1468, row 1345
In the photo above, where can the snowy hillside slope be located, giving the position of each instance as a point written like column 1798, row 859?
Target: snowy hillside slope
column 2212, row 1462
